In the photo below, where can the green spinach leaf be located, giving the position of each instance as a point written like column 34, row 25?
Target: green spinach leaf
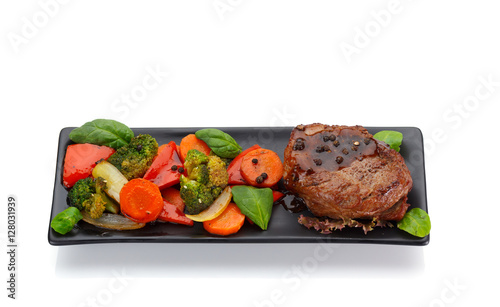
column 255, row 203
column 106, row 132
column 221, row 143
column 416, row 222
column 391, row 138
column 66, row 220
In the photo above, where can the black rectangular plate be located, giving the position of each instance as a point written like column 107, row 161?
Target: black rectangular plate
column 283, row 227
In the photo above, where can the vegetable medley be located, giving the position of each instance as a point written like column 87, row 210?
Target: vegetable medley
column 118, row 180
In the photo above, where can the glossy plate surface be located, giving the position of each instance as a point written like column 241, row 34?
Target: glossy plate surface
column 283, row 227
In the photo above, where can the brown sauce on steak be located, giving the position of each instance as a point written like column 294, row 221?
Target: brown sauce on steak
column 329, row 151
column 343, row 172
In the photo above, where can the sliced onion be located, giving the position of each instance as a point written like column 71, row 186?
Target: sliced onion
column 215, row 209
column 114, row 178
column 112, row 221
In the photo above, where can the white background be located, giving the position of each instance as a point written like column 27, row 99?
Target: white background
column 256, row 63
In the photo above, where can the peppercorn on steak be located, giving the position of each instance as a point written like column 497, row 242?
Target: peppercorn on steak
column 342, row 172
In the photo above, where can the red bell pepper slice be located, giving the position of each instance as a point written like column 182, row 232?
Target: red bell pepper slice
column 173, row 208
column 277, row 195
column 171, row 213
column 80, row 160
column 233, row 169
column 173, row 196
column 160, row 172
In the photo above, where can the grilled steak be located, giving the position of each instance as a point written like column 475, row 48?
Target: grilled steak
column 342, row 172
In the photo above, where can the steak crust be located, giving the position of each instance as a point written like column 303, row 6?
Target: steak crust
column 342, row 172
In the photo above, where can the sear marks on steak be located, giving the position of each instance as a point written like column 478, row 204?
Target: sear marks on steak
column 342, row 172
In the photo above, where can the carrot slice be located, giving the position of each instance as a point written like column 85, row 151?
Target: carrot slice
column 162, row 147
column 141, row 200
column 233, row 170
column 190, row 141
column 227, row 223
column 261, row 168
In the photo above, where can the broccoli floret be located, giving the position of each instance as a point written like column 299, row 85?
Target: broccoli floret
column 218, row 176
column 195, row 157
column 83, row 196
column 227, row 161
column 195, row 165
column 89, row 194
column 134, row 159
column 83, row 190
column 196, row 196
column 95, row 206
column 199, row 173
column 206, row 178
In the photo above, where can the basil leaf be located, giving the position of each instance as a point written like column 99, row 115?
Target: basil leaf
column 416, row 222
column 391, row 138
column 221, row 143
column 255, row 203
column 106, row 132
column 66, row 220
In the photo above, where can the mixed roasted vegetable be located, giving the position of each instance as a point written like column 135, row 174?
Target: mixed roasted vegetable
column 120, row 181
